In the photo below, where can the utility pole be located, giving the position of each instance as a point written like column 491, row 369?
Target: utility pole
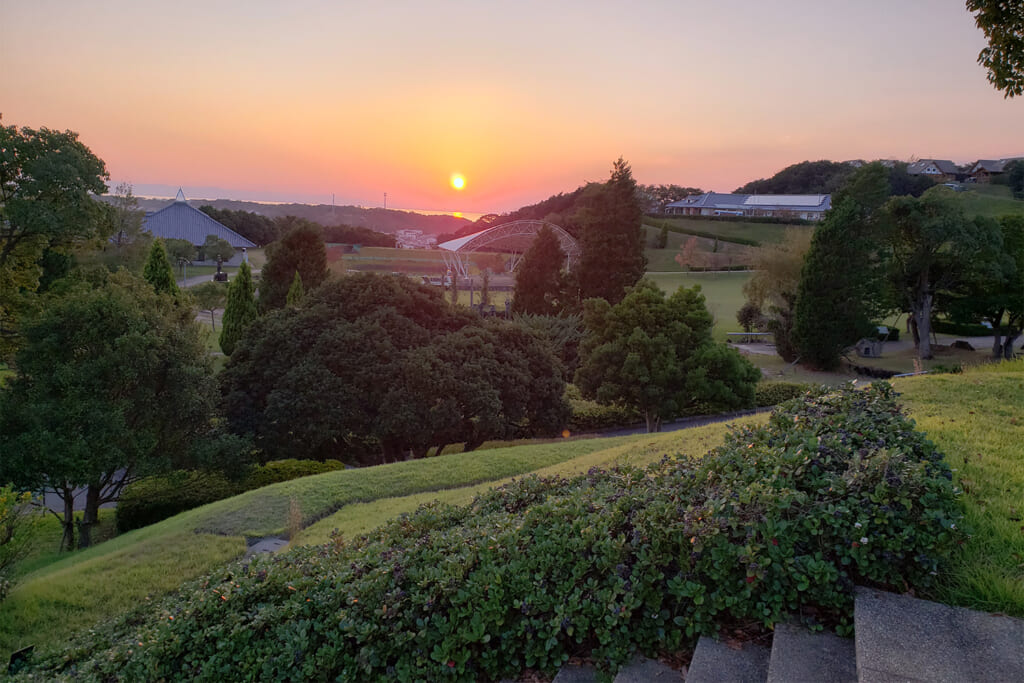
column 385, row 201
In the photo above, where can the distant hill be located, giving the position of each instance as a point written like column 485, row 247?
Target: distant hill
column 807, row 177
column 381, row 220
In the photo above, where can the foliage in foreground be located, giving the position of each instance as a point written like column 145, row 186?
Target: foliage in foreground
column 836, row 490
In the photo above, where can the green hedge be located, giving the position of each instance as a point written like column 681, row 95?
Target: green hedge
column 773, row 393
column 590, row 416
column 704, row 233
column 961, row 329
column 782, row 520
column 156, row 498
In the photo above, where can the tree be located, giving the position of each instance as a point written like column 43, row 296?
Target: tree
column 158, row 271
column 301, row 250
column 209, row 296
column 239, row 311
column 773, row 286
column 1003, row 25
column 842, row 286
column 46, row 179
column 20, row 518
column 663, row 237
column 216, row 249
column 485, row 286
column 540, row 282
column 654, row 198
column 114, row 381
column 611, row 238
column 806, row 177
column 749, row 316
column 295, row 292
column 120, row 241
column 252, row 226
column 656, row 354
column 932, row 248
column 1015, row 178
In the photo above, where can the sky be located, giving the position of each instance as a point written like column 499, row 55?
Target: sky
column 299, row 100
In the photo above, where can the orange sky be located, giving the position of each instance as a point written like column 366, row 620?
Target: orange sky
column 299, row 100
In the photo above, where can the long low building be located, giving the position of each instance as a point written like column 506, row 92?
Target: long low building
column 808, row 207
column 180, row 221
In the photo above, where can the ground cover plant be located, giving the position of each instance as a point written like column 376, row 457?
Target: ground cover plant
column 782, row 517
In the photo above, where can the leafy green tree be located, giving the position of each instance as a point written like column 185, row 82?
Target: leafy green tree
column 663, row 237
column 252, row 226
column 113, row 382
column 656, row 354
column 216, row 249
column 295, row 292
column 806, row 177
column 20, row 521
column 933, row 248
column 1003, row 24
column 120, row 241
column 46, row 179
column 540, row 282
column 772, row 287
column 1015, row 178
column 842, row 286
column 611, row 238
column 301, row 250
column 209, row 296
column 158, row 271
column 239, row 311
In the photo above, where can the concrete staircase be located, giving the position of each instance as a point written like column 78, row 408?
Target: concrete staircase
column 899, row 638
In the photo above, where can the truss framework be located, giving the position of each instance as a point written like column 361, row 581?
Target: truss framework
column 506, row 231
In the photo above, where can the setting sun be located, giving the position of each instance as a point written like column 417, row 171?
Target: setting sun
column 458, row 182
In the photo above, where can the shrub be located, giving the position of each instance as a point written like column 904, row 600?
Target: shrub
column 782, row 519
column 961, row 329
column 19, row 522
column 773, row 393
column 590, row 416
column 153, row 499
column 286, row 470
column 156, row 498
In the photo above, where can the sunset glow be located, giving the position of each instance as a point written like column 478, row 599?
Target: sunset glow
column 458, row 182
column 296, row 102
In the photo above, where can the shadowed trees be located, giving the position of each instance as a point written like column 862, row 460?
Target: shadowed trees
column 301, row 251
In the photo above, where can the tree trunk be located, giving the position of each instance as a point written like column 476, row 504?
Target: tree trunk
column 923, row 317
column 67, row 495
column 653, row 421
column 1011, row 338
column 213, row 323
column 997, row 343
column 91, row 515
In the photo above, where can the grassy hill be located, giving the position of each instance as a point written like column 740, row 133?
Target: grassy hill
column 990, row 200
column 974, row 418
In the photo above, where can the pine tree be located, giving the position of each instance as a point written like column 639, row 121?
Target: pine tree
column 240, row 310
column 158, row 271
column 295, row 293
column 539, row 277
column 663, row 236
column 611, row 239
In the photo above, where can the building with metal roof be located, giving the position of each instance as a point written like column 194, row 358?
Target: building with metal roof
column 984, row 169
column 939, row 169
column 808, row 207
column 180, row 221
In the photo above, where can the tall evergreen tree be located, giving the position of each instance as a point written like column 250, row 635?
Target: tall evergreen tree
column 540, row 282
column 301, row 250
column 240, row 310
column 158, row 271
column 842, row 284
column 295, row 292
column 611, row 238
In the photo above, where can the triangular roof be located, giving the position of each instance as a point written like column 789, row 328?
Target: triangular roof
column 180, row 221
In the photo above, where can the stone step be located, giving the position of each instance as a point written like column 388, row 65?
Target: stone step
column 900, row 638
column 800, row 656
column 643, row 670
column 576, row 673
column 716, row 662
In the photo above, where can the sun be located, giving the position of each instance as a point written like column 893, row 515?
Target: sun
column 458, row 182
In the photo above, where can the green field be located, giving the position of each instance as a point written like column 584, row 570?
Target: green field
column 763, row 233
column 990, row 200
column 723, row 291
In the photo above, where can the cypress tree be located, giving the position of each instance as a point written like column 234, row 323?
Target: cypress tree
column 295, row 292
column 240, row 310
column 539, row 278
column 158, row 271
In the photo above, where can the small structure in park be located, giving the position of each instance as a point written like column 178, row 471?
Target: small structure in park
column 513, row 238
column 869, row 348
column 183, row 222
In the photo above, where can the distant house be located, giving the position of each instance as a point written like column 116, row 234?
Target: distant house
column 180, row 221
column 808, row 207
column 940, row 170
column 984, row 170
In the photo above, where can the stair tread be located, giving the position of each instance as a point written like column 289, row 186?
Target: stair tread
column 799, row 655
column 903, row 638
column 716, row 662
column 576, row 673
column 643, row 670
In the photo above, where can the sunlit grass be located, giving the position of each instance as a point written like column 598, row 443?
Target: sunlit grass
column 977, row 420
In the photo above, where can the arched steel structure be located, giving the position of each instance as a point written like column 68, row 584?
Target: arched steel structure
column 514, row 238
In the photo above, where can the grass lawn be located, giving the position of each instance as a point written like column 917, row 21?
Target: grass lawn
column 990, row 200
column 664, row 260
column 723, row 291
column 977, row 420
column 764, row 233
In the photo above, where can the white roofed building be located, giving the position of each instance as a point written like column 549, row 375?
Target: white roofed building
column 808, row 207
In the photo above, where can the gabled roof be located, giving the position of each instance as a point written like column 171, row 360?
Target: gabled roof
column 738, row 202
column 944, row 166
column 182, row 222
column 993, row 165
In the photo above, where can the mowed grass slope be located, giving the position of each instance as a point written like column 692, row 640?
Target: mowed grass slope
column 723, row 292
column 83, row 588
column 977, row 420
